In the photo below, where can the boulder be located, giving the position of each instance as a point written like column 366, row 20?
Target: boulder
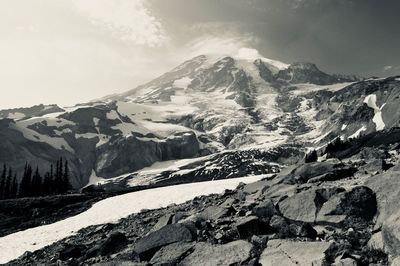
column 387, row 189
column 291, row 253
column 148, row 245
column 280, row 225
column 345, row 262
column 115, row 242
column 213, row 213
column 265, row 210
column 300, row 207
column 259, row 186
column 206, row 254
column 171, row 254
column 248, row 226
column 163, row 221
column 302, row 230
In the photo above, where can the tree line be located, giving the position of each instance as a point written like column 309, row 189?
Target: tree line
column 32, row 183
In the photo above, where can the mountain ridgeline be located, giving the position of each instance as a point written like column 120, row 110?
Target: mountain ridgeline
column 203, row 110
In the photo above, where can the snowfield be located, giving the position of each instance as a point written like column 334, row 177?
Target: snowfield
column 370, row 100
column 110, row 211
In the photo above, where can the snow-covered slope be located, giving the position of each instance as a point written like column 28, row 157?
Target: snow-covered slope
column 207, row 105
column 14, row 245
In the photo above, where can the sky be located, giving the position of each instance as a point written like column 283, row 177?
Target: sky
column 68, row 52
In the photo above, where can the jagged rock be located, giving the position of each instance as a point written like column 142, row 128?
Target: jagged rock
column 148, row 245
column 248, row 226
column 280, row 225
column 345, row 262
column 265, row 210
column 387, row 189
column 115, row 242
column 291, row 253
column 120, row 263
column 215, row 212
column 259, row 186
column 71, row 251
column 300, row 207
column 163, row 221
column 303, row 230
column 171, row 254
column 376, row 242
column 206, row 254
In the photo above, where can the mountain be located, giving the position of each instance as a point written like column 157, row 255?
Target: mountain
column 213, row 108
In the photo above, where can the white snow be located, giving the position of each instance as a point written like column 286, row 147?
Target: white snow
column 358, row 132
column 182, row 83
column 370, row 100
column 344, row 126
column 110, row 211
column 16, row 115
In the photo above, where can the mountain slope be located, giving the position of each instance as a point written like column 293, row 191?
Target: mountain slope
column 207, row 105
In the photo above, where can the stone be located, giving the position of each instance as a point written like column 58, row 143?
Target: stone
column 387, row 189
column 248, row 226
column 376, row 242
column 120, row 263
column 71, row 251
column 300, row 207
column 292, row 253
column 280, row 225
column 255, row 187
column 163, row 221
column 213, row 213
column 115, row 242
column 206, row 254
column 148, row 245
column 345, row 262
column 265, row 210
column 171, row 254
column 303, row 230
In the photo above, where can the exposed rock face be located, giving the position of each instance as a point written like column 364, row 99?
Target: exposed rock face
column 147, row 246
column 291, row 253
column 208, row 255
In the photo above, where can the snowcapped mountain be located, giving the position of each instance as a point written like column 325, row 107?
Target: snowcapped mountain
column 209, row 105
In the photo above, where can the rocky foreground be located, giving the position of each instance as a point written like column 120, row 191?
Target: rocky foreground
column 331, row 212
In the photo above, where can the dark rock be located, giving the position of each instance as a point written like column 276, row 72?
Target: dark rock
column 303, row 230
column 265, row 210
column 280, row 225
column 114, row 243
column 215, row 212
column 74, row 251
column 148, row 245
column 248, row 226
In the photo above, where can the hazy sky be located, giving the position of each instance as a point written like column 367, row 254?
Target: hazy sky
column 71, row 51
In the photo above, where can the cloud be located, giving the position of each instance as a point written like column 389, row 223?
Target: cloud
column 387, row 68
column 128, row 20
column 218, row 45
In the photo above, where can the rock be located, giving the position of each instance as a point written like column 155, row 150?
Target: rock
column 163, row 221
column 387, row 189
column 345, row 262
column 300, row 207
column 265, row 210
column 171, row 254
column 248, row 226
column 376, row 242
column 215, row 212
column 228, row 203
column 148, row 245
column 259, row 186
column 120, row 263
column 303, row 230
column 280, row 225
column 291, row 253
column 74, row 251
column 178, row 216
column 359, row 202
column 115, row 242
column 206, row 254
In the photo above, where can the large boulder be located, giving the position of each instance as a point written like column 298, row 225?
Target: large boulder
column 172, row 233
column 205, row 254
column 300, row 207
column 248, row 226
column 291, row 253
column 171, row 254
column 387, row 189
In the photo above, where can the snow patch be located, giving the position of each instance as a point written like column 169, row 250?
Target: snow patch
column 344, row 126
column 14, row 245
column 358, row 132
column 370, row 100
column 16, row 116
column 182, row 83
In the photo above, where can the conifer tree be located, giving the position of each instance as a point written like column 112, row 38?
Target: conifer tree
column 7, row 186
column 66, row 185
column 3, row 181
column 36, row 186
column 14, row 187
column 26, row 182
